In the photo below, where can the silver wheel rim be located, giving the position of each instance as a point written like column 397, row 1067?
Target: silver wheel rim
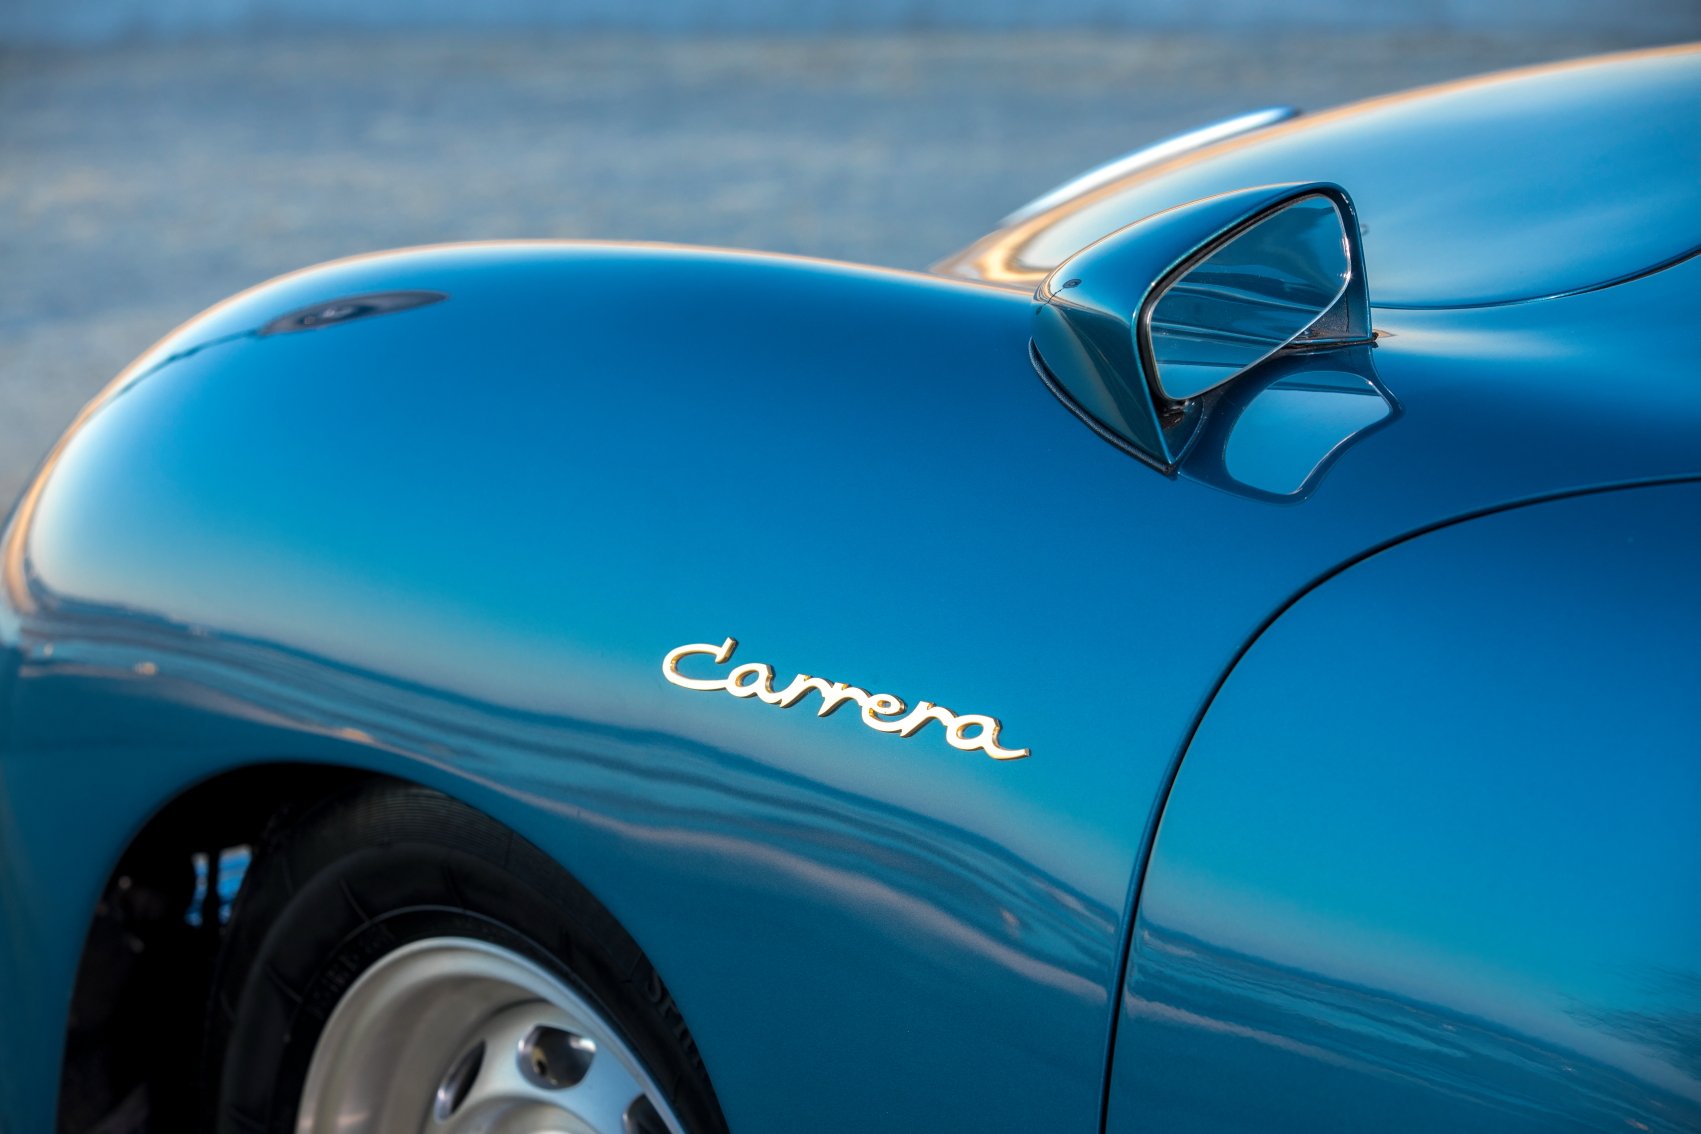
column 455, row 1036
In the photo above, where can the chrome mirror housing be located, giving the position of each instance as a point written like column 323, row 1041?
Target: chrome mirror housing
column 1136, row 331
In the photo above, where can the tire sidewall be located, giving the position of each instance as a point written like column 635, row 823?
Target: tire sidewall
column 357, row 877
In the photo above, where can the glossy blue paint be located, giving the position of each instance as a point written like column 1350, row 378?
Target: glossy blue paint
column 1275, row 434
column 452, row 544
column 1433, row 852
column 1532, row 183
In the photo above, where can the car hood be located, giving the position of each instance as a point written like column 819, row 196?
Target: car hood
column 1522, row 185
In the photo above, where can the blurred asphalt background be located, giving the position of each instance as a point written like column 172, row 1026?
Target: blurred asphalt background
column 142, row 180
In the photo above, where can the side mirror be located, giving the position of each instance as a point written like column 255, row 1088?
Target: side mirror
column 1136, row 331
column 1246, row 297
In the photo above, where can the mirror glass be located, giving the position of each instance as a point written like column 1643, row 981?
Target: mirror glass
column 1248, row 297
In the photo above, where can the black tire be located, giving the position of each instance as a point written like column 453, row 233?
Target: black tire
column 355, row 877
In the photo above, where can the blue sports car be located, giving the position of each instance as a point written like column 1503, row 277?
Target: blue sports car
column 1218, row 654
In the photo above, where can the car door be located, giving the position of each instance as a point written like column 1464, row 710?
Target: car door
column 1431, row 860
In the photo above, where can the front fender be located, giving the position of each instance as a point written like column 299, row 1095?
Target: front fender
column 453, row 543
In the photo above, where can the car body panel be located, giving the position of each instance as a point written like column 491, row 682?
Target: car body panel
column 453, row 543
column 570, row 485
column 1432, row 852
column 1505, row 187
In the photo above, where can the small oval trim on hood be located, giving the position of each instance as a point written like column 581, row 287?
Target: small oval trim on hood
column 347, row 309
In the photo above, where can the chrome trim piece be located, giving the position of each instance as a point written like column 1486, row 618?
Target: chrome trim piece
column 881, row 712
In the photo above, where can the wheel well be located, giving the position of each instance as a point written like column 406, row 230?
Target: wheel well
column 132, row 1046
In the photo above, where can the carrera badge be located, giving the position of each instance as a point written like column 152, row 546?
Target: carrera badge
column 882, row 712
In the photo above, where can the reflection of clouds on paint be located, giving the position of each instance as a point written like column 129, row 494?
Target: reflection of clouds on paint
column 973, row 911
column 1673, row 1028
column 1200, row 1004
column 1430, row 986
column 1294, row 934
column 1167, row 1013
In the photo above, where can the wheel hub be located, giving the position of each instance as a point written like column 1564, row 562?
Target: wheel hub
column 457, row 1036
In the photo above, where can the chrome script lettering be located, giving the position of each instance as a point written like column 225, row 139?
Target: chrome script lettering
column 882, row 712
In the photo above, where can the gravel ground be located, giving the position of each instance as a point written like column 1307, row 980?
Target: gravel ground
column 139, row 184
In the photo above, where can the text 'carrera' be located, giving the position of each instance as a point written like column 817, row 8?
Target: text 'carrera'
column 883, row 712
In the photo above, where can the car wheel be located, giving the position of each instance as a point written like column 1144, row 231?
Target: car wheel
column 397, row 961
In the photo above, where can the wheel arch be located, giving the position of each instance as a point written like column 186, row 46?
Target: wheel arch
column 141, row 955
